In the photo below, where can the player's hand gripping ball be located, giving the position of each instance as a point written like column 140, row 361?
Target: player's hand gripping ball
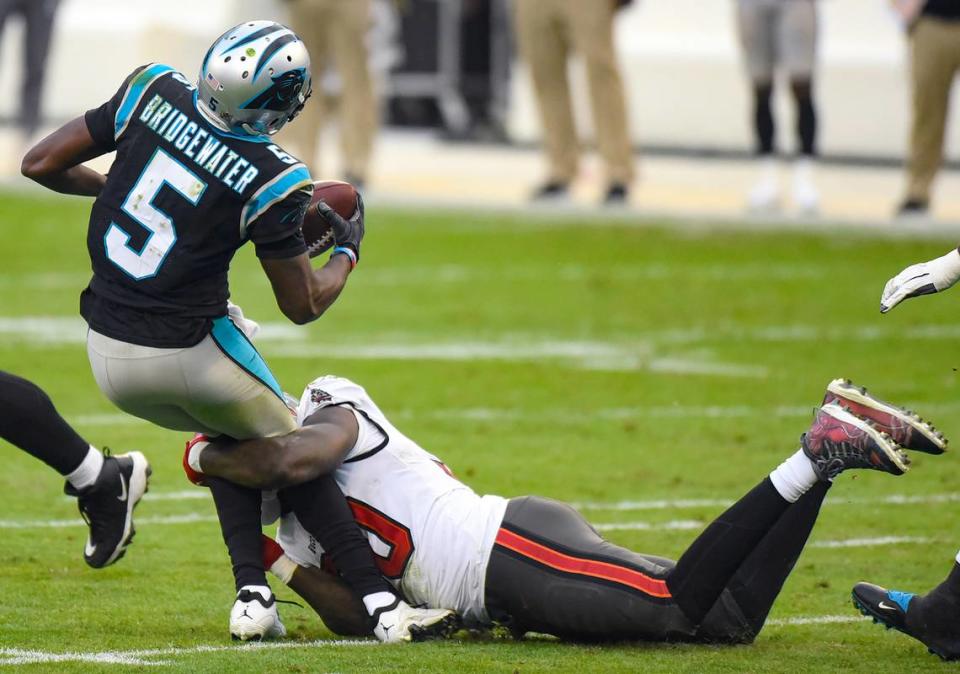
column 334, row 217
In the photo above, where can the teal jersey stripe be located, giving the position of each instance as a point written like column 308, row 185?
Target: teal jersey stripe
column 239, row 349
column 134, row 94
column 294, row 178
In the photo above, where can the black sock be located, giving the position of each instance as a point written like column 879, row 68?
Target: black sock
column 29, row 420
column 322, row 509
column 806, row 116
column 760, row 578
column 707, row 566
column 937, row 613
column 238, row 509
column 763, row 125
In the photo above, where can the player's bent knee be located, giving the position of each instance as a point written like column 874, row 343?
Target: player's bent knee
column 22, row 398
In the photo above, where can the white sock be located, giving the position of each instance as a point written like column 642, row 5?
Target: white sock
column 88, row 470
column 794, row 477
column 376, row 600
column 194, row 457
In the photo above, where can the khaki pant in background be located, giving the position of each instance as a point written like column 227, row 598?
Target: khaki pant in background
column 548, row 32
column 335, row 31
column 935, row 62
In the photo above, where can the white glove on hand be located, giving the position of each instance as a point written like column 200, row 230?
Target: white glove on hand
column 248, row 327
column 924, row 278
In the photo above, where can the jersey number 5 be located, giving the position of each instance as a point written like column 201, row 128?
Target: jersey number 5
column 161, row 170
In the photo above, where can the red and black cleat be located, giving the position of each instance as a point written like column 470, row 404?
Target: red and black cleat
column 906, row 428
column 839, row 440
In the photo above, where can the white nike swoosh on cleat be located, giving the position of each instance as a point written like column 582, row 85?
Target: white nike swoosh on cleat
column 887, row 607
column 88, row 549
column 123, row 489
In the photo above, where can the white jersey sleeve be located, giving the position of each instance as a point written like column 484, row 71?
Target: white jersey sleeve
column 431, row 533
column 333, row 391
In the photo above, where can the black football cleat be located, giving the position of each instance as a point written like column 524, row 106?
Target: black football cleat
column 839, row 440
column 107, row 506
column 906, row 428
column 932, row 621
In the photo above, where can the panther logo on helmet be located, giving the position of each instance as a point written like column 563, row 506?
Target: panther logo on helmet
column 284, row 91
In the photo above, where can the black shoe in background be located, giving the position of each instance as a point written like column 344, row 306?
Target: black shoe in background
column 618, row 194
column 551, row 191
column 913, row 208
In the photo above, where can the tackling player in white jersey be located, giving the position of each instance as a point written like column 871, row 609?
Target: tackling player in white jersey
column 535, row 564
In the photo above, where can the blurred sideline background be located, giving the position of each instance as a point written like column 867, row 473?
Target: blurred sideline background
column 688, row 102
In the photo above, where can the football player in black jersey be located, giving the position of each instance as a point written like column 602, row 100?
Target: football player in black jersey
column 196, row 176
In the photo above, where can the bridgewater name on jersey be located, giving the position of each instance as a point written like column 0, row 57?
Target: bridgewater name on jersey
column 181, row 197
column 432, row 534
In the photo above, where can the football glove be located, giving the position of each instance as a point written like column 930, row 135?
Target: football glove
column 924, row 278
column 347, row 233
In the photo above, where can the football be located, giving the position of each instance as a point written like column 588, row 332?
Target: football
column 341, row 197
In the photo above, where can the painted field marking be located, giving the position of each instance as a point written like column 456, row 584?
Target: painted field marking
column 670, row 525
column 60, row 329
column 188, row 518
column 17, row 656
column 873, row 542
column 814, row 620
column 681, row 504
column 147, row 657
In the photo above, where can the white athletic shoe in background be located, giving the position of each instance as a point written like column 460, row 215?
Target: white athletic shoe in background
column 764, row 196
column 401, row 622
column 806, row 198
column 254, row 616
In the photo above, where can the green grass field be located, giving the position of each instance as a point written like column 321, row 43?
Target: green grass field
column 603, row 365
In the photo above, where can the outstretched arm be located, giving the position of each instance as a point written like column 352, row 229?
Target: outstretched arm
column 56, row 162
column 340, row 609
column 297, row 457
column 924, row 278
column 304, row 293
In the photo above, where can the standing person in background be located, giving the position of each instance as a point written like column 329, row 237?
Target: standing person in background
column 549, row 31
column 337, row 30
column 38, row 17
column 934, row 28
column 781, row 33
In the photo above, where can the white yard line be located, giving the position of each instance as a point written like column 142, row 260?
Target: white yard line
column 814, row 620
column 681, row 504
column 17, row 656
column 188, row 518
column 107, row 419
column 872, row 542
column 160, row 656
column 672, row 525
column 196, row 494
column 46, row 329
